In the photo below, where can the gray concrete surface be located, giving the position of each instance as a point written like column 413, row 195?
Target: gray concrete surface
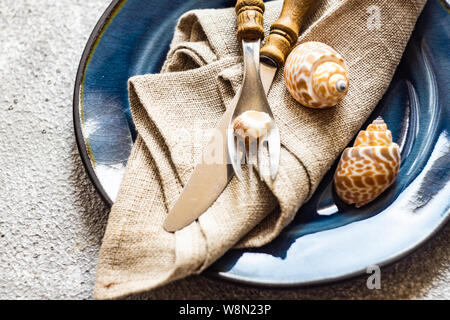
column 52, row 220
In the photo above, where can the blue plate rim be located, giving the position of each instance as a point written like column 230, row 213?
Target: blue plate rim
column 358, row 273
column 82, row 66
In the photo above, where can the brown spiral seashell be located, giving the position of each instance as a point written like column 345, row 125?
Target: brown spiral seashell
column 252, row 124
column 316, row 75
column 369, row 167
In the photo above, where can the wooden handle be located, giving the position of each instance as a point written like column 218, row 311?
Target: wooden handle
column 284, row 32
column 250, row 19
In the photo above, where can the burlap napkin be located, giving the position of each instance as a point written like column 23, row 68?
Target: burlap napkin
column 171, row 110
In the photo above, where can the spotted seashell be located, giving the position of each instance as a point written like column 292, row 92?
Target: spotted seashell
column 369, row 167
column 316, row 75
column 252, row 124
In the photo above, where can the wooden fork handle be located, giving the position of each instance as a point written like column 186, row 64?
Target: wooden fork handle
column 250, row 19
column 284, row 32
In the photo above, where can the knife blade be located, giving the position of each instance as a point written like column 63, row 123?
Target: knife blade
column 208, row 180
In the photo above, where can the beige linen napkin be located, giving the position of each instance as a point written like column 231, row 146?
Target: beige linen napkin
column 198, row 80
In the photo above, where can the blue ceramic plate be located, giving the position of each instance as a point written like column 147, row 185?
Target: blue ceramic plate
column 328, row 240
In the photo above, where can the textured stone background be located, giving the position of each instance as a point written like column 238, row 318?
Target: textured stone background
column 51, row 219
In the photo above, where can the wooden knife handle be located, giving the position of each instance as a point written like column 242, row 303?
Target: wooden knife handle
column 284, row 32
column 250, row 19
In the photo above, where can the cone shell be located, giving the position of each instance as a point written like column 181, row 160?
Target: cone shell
column 369, row 167
column 316, row 75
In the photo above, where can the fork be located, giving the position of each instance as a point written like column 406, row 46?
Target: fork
column 251, row 95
